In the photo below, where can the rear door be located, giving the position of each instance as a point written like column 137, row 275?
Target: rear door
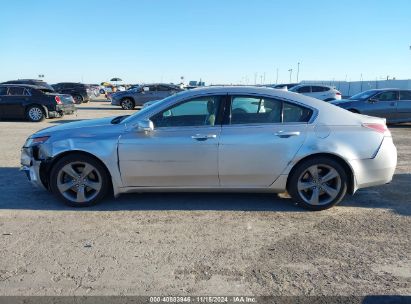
column 261, row 138
column 320, row 92
column 383, row 105
column 404, row 106
column 13, row 103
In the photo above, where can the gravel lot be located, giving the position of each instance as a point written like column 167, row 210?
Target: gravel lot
column 200, row 244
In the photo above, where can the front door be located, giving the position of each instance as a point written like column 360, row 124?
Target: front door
column 263, row 136
column 181, row 151
column 383, row 105
column 404, row 106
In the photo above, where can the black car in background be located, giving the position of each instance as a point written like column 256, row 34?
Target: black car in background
column 33, row 102
column 81, row 92
column 36, row 82
column 391, row 104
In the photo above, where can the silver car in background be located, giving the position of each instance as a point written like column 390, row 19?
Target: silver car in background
column 138, row 96
column 244, row 139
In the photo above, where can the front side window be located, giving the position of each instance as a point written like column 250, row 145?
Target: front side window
column 386, row 96
column 200, row 111
column 262, row 110
column 405, row 95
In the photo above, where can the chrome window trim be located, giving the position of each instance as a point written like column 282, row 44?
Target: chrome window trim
column 310, row 121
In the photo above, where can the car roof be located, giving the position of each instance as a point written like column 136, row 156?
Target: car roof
column 389, row 89
column 314, row 85
column 30, row 86
column 34, row 80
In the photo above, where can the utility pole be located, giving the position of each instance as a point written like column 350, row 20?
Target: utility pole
column 291, row 73
column 276, row 80
column 298, row 70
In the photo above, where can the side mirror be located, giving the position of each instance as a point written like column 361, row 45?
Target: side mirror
column 145, row 125
column 372, row 100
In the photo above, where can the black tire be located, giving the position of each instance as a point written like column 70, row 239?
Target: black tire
column 127, row 104
column 59, row 178
column 337, row 186
column 78, row 99
column 354, row 111
column 35, row 113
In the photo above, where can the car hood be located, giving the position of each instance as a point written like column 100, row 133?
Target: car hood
column 341, row 102
column 73, row 126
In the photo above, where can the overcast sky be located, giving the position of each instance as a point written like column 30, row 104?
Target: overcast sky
column 218, row 41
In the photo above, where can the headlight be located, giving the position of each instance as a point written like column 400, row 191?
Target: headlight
column 30, row 142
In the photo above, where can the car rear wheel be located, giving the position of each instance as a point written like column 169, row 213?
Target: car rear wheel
column 79, row 180
column 127, row 104
column 35, row 113
column 318, row 183
column 78, row 99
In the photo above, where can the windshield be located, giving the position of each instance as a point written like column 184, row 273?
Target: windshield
column 46, row 91
column 363, row 95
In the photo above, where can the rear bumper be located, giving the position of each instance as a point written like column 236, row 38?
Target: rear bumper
column 378, row 170
column 64, row 109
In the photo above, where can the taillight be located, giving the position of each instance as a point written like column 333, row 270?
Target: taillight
column 338, row 93
column 379, row 127
column 58, row 100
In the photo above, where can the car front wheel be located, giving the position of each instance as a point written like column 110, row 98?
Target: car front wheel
column 79, row 180
column 318, row 183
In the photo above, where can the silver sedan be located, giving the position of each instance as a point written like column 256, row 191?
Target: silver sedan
column 244, row 139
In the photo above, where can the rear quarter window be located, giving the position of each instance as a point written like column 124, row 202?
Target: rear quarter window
column 295, row 113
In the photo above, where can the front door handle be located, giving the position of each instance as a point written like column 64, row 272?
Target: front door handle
column 202, row 137
column 283, row 134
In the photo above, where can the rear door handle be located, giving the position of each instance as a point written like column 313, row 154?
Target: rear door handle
column 283, row 134
column 202, row 137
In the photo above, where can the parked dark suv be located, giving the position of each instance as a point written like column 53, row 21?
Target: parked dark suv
column 80, row 91
column 33, row 102
column 36, row 82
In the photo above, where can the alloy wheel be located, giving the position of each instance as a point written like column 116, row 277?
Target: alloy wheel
column 319, row 184
column 35, row 114
column 79, row 182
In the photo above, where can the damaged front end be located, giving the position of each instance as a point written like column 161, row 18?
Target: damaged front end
column 34, row 157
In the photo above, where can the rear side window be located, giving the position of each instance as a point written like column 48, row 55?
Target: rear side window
column 405, row 95
column 16, row 91
column 296, row 113
column 319, row 89
column 262, row 110
column 304, row 89
column 3, row 90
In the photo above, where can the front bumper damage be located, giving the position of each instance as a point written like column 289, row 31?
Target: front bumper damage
column 31, row 167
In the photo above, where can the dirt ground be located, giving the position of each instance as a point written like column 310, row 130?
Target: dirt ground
column 200, row 244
